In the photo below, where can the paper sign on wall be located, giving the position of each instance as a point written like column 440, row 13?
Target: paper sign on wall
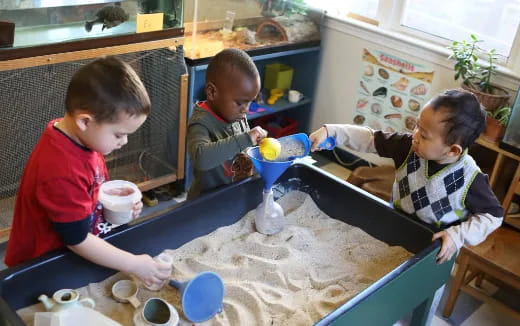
column 149, row 22
column 391, row 92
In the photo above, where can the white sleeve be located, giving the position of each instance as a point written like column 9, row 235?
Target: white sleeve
column 358, row 138
column 474, row 230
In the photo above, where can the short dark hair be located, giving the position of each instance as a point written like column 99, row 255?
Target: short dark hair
column 465, row 119
column 228, row 60
column 106, row 88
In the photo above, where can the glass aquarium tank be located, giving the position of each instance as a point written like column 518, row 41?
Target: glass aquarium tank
column 213, row 25
column 43, row 22
column 511, row 139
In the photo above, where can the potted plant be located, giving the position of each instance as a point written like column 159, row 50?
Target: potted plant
column 496, row 122
column 476, row 78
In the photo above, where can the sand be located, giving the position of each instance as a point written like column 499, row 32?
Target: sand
column 295, row 277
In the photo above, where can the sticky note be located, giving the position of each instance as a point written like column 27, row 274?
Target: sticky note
column 149, row 22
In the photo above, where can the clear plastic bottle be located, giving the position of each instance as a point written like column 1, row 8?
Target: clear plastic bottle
column 228, row 22
column 165, row 259
column 269, row 218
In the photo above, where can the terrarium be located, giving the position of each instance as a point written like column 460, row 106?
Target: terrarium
column 42, row 22
column 511, row 140
column 213, row 25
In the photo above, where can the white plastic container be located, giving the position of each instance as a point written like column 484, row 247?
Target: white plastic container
column 165, row 259
column 118, row 197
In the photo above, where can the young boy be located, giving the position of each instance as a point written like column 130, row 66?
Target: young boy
column 218, row 129
column 436, row 179
column 57, row 203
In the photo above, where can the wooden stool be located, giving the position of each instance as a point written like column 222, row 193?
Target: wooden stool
column 497, row 259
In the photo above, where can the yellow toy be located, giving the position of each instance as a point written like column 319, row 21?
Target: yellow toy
column 270, row 148
column 275, row 94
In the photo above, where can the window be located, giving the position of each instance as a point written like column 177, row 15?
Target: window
column 341, row 8
column 441, row 21
column 494, row 21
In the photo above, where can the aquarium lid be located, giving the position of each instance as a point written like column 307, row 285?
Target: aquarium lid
column 33, row 4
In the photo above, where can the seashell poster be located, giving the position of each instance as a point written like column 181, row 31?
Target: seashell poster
column 391, row 92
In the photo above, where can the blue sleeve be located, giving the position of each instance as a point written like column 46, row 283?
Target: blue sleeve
column 72, row 233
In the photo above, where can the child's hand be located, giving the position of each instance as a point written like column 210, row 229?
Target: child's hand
column 448, row 247
column 136, row 210
column 317, row 138
column 149, row 271
column 257, row 134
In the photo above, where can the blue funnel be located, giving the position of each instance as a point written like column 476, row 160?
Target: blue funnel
column 269, row 170
column 201, row 297
column 272, row 170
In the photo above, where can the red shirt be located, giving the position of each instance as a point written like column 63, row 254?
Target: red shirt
column 59, row 185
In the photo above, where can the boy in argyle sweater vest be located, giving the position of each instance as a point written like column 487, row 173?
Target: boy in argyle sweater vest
column 436, row 179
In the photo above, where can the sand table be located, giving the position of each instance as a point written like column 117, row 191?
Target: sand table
column 295, row 277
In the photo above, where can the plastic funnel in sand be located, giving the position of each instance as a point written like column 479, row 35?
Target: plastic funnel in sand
column 269, row 170
column 201, row 297
column 118, row 198
column 269, row 215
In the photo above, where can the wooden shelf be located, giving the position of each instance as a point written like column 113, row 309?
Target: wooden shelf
column 513, row 188
column 494, row 147
column 280, row 105
column 513, row 221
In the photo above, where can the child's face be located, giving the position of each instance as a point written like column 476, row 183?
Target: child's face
column 428, row 137
column 231, row 96
column 106, row 137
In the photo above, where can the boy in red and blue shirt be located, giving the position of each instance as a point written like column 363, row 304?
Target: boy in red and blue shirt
column 57, row 204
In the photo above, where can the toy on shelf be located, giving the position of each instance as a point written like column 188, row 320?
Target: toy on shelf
column 274, row 95
column 278, row 75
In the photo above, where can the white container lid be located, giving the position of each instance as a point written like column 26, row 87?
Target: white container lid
column 119, row 195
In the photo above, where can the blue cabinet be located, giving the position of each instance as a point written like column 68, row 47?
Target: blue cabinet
column 304, row 59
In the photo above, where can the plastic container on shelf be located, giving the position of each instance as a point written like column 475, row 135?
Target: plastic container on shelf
column 118, row 198
column 278, row 126
column 278, row 75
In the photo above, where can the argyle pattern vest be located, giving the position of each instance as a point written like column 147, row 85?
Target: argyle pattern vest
column 437, row 199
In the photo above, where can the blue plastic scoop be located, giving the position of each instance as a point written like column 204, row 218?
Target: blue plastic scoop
column 201, row 297
column 299, row 145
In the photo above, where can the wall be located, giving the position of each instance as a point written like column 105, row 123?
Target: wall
column 338, row 80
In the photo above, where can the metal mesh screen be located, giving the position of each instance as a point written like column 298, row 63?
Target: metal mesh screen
column 31, row 97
